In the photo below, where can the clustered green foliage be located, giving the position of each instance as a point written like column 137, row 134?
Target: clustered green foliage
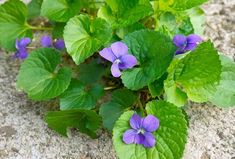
column 160, row 85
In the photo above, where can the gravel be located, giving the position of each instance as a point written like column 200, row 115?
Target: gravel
column 24, row 134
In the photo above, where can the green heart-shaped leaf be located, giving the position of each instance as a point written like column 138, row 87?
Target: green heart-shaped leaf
column 198, row 73
column 84, row 36
column 40, row 77
column 154, row 57
column 13, row 23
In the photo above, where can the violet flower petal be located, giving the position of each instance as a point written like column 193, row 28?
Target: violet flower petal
column 180, row 51
column 21, row 54
column 119, row 49
column 22, row 42
column 136, row 121
column 46, row 41
column 149, row 140
column 150, row 123
column 180, row 40
column 190, row 46
column 59, row 44
column 140, row 139
column 127, row 61
column 108, row 54
column 192, row 38
column 130, row 136
column 115, row 70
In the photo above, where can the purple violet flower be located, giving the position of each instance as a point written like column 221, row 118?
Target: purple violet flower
column 186, row 43
column 21, row 45
column 118, row 55
column 141, row 132
column 59, row 44
column 46, row 41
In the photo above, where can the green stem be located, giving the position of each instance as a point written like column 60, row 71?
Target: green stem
column 141, row 106
column 110, row 88
column 39, row 28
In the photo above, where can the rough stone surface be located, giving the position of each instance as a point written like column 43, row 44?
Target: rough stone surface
column 24, row 134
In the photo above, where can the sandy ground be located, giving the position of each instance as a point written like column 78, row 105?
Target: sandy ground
column 24, row 134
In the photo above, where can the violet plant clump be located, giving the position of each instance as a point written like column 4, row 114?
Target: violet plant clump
column 139, row 89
